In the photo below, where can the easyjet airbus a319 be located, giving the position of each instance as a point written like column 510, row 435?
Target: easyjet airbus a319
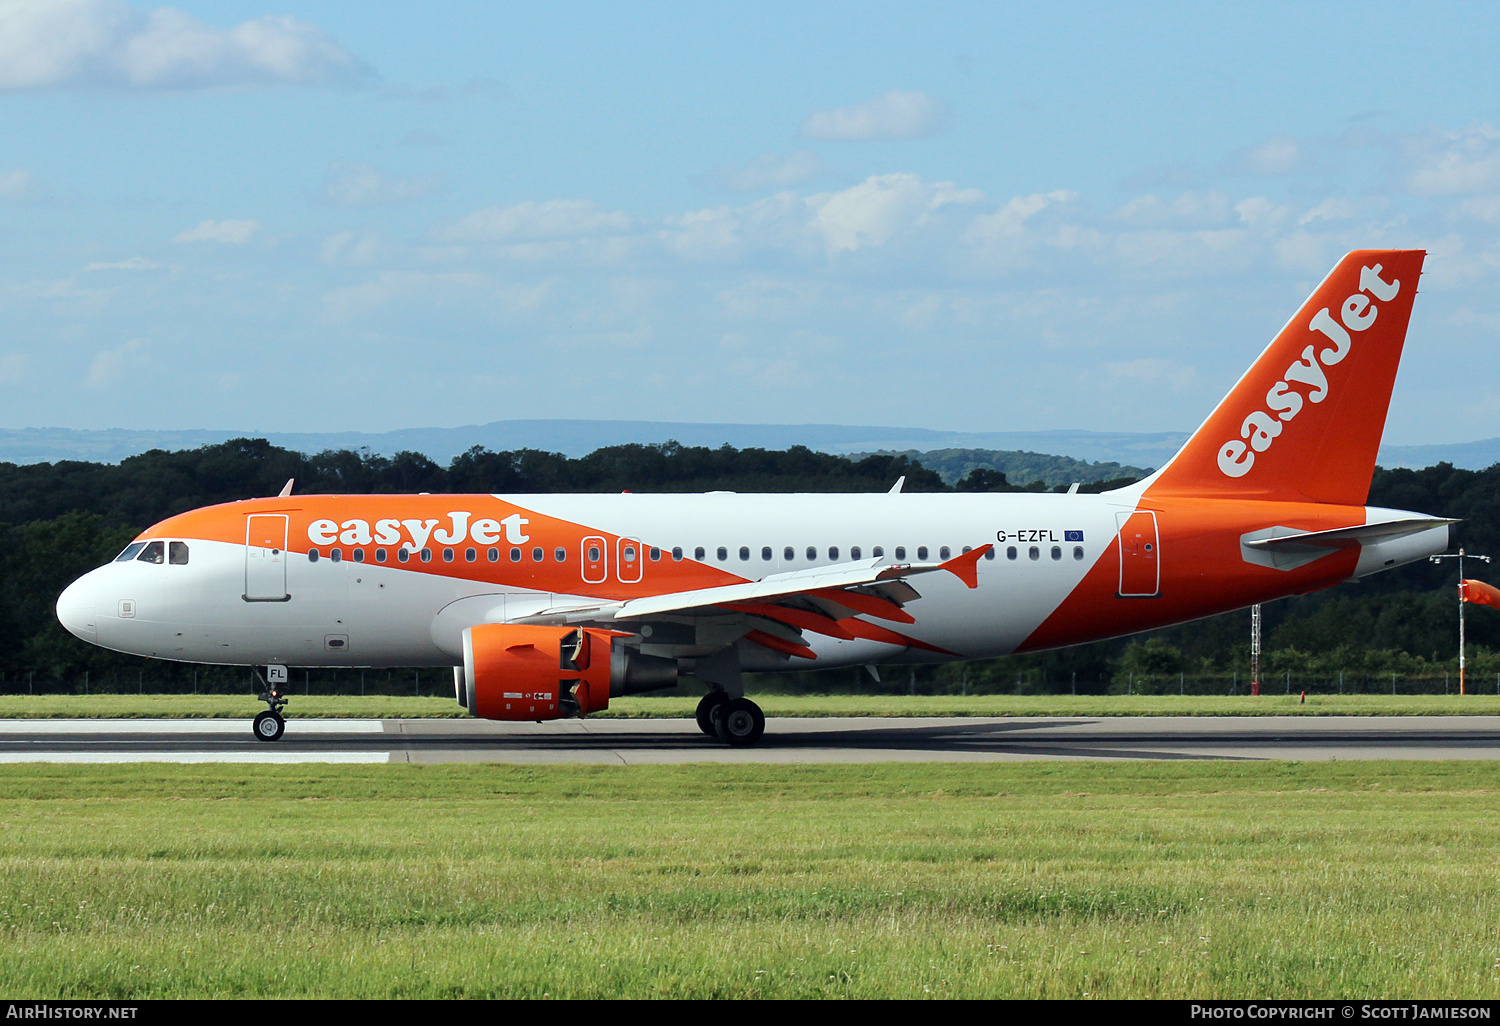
column 548, row 606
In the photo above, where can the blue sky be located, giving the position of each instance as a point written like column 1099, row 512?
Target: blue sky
column 369, row 216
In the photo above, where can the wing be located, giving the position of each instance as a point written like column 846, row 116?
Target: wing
column 775, row 611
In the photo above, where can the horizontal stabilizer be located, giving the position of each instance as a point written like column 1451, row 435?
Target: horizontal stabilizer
column 1348, row 537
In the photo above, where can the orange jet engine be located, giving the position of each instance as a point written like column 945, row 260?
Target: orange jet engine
column 514, row 672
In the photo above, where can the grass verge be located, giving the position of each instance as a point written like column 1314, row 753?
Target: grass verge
column 876, row 881
column 676, row 707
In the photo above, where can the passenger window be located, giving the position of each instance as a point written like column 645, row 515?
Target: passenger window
column 538, row 555
column 131, row 551
column 630, row 553
column 722, row 553
column 152, row 553
column 593, row 553
column 989, row 553
column 470, row 555
column 765, row 553
column 380, row 555
column 1034, row 552
column 744, row 552
column 833, row 552
column 967, row 549
column 653, row 553
column 335, row 554
column 900, row 551
column 177, row 553
column 1077, row 551
column 1057, row 552
column 312, row 555
column 944, row 553
column 515, row 555
column 492, row 554
column 359, row 555
column 558, row 555
column 698, row 552
column 447, row 555
column 426, row 555
column 1010, row 552
column 854, row 552
column 922, row 552
column 788, row 553
column 812, row 554
column 403, row 554
column 677, row 553
column 878, row 552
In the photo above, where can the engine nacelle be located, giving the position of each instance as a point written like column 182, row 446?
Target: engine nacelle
column 516, row 672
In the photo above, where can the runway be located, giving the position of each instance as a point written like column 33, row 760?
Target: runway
column 808, row 741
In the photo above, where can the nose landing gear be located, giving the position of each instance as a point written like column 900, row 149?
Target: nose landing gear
column 270, row 725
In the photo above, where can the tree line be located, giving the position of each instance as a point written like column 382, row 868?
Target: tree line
column 59, row 520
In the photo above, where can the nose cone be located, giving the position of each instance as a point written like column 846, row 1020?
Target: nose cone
column 75, row 610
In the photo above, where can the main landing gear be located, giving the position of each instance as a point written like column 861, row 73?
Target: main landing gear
column 270, row 725
column 735, row 721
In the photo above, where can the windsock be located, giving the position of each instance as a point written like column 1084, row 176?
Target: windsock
column 1478, row 591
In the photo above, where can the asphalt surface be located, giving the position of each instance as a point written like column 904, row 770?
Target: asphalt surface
column 821, row 740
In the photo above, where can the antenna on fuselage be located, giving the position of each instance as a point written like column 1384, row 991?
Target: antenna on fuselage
column 286, row 489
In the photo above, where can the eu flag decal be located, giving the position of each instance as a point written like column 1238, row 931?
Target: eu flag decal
column 1072, row 536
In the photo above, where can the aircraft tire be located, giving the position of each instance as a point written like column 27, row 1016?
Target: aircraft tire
column 740, row 722
column 269, row 727
column 705, row 713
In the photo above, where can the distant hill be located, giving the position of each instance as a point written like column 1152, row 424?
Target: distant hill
column 1019, row 467
column 1131, row 450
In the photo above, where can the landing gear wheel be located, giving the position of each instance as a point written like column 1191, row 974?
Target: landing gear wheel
column 269, row 726
column 705, row 714
column 739, row 722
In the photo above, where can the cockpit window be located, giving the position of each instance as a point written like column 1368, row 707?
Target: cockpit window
column 131, row 551
column 154, row 552
column 177, row 553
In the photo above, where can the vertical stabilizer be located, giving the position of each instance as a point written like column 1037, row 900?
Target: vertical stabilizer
column 1304, row 423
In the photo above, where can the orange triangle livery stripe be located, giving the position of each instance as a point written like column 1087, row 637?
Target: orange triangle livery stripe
column 874, row 632
column 795, row 618
column 777, row 645
column 870, row 605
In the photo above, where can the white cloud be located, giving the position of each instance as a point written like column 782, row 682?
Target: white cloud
column 135, row 263
column 1260, row 213
column 111, row 364
column 19, row 184
column 352, row 248
column 880, row 208
column 1169, row 373
column 1336, row 208
column 769, row 171
column 1480, row 208
column 1195, row 208
column 1455, row 163
column 896, row 115
column 532, row 221
column 361, row 185
column 1276, row 156
column 52, row 43
column 235, row 233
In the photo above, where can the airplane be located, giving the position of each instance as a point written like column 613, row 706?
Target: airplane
column 549, row 606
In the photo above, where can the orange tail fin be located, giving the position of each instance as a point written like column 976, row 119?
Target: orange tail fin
column 1304, row 423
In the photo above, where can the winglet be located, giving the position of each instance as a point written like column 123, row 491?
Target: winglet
column 896, row 488
column 966, row 567
column 286, row 489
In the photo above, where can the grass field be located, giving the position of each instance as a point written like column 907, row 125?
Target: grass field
column 639, row 706
column 998, row 880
